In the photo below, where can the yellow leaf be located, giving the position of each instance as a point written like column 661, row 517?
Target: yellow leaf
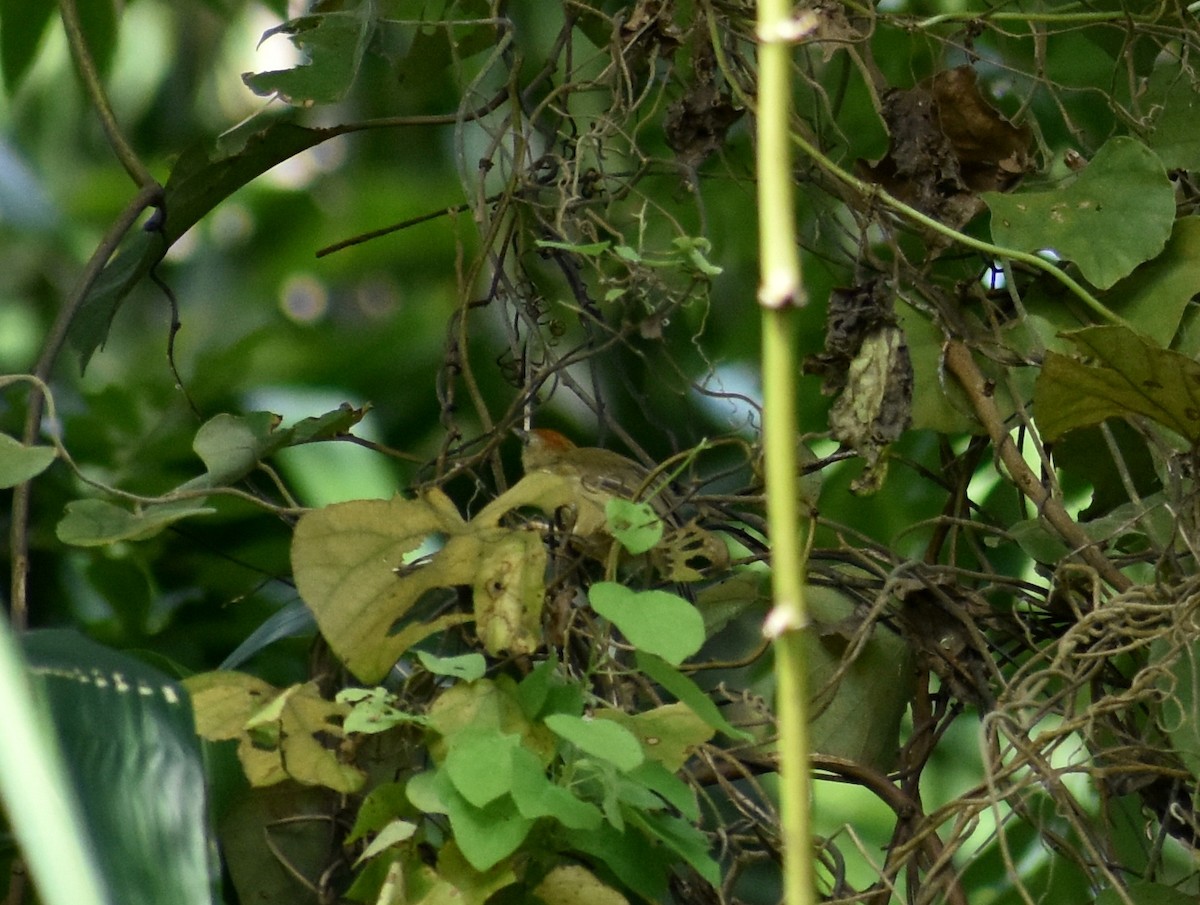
column 294, row 733
column 509, row 591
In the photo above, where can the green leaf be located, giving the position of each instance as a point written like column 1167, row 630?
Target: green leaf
column 334, row 44
column 689, row 693
column 135, row 762
column 1116, row 214
column 480, row 764
column 1173, row 137
column 1146, row 894
column 680, row 837
column 98, row 22
column 534, row 689
column 373, row 710
column 1154, row 297
column 857, row 707
column 423, row 791
column 1131, row 376
column 19, row 463
column 635, row 525
column 669, row 733
column 394, row 833
column 202, row 177
column 643, row 868
column 536, row 796
column 231, row 446
column 1039, row 542
column 384, row 804
column 22, row 25
column 38, row 790
column 93, row 523
column 485, row 705
column 654, row 621
column 660, row 780
column 467, row 667
column 599, row 738
column 487, row 835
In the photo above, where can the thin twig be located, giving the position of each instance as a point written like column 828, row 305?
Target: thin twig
column 149, row 195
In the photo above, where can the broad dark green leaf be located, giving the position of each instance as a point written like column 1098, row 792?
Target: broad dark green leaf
column 857, row 716
column 134, row 757
column 1116, row 214
column 203, row 177
column 1154, row 297
column 644, row 868
column 1131, row 375
column 1146, row 894
column 680, row 837
column 383, row 804
column 1173, row 136
column 22, row 25
column 99, row 20
column 290, row 621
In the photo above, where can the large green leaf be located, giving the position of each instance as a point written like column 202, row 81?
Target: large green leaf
column 1154, row 297
column 22, row 24
column 858, row 715
column 1174, row 136
column 1131, row 375
column 1116, row 214
column 134, row 759
column 37, row 795
column 1145, row 894
column 202, row 177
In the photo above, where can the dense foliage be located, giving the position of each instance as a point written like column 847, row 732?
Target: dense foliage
column 270, row 318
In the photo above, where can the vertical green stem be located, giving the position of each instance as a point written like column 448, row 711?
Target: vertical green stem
column 780, row 293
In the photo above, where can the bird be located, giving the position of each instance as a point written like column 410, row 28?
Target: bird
column 599, row 471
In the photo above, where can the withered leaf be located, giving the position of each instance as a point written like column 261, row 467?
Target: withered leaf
column 947, row 145
column 875, row 406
